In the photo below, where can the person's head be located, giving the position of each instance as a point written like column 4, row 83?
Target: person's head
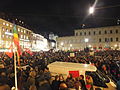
column 56, row 77
column 81, row 77
column 32, row 87
column 63, row 86
column 61, row 78
column 70, row 76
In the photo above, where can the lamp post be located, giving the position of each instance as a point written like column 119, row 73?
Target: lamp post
column 70, row 46
column 86, row 41
column 62, row 45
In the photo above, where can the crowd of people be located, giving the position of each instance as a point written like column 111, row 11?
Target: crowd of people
column 36, row 75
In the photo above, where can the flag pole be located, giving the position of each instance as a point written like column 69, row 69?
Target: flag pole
column 16, row 87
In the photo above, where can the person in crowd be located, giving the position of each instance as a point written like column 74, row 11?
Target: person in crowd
column 70, row 81
column 56, row 83
column 61, row 79
column 89, row 81
column 63, row 86
column 83, row 87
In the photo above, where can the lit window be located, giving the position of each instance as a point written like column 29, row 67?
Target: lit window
column 21, row 36
column 27, row 37
column 3, row 23
column 24, row 31
column 10, row 25
column 7, row 30
column 3, row 36
column 21, row 30
column 18, row 29
column 3, row 29
column 24, row 36
column 7, row 24
column 6, row 36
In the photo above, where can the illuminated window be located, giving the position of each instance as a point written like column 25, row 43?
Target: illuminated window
column 21, row 30
column 21, row 36
column 24, row 36
column 3, row 36
column 24, row 31
column 7, row 36
column 27, row 37
column 18, row 29
column 7, row 30
column 7, row 24
column 3, row 23
column 3, row 28
column 10, row 25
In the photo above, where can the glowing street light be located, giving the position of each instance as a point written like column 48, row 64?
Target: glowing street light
column 86, row 40
column 62, row 43
column 91, row 10
column 70, row 45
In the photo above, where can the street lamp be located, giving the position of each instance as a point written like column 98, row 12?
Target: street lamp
column 62, row 45
column 70, row 46
column 86, row 41
column 91, row 10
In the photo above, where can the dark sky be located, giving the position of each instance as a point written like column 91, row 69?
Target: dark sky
column 62, row 16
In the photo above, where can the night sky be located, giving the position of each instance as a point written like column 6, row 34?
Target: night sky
column 62, row 16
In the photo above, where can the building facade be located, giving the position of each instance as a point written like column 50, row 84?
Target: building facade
column 26, row 36
column 94, row 38
column 39, row 43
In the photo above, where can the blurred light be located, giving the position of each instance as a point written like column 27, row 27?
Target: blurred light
column 62, row 43
column 85, row 65
column 89, row 46
column 115, row 45
column 10, row 25
column 86, row 40
column 70, row 45
column 3, row 23
column 53, row 44
column 7, row 33
column 7, row 24
column 91, row 10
